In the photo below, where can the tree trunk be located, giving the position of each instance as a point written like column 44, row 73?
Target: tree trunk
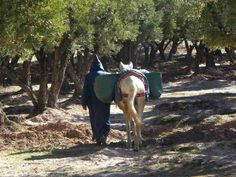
column 153, row 53
column 199, row 56
column 231, row 55
column 189, row 58
column 43, row 80
column 84, row 62
column 14, row 62
column 126, row 52
column 174, row 47
column 146, row 56
column 72, row 75
column 133, row 54
column 161, row 47
column 4, row 62
column 4, row 121
column 26, row 75
column 61, row 59
column 3, row 117
column 18, row 82
column 2, row 79
column 210, row 63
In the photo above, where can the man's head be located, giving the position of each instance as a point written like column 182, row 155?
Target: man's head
column 96, row 64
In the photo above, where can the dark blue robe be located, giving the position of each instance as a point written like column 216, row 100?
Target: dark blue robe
column 99, row 112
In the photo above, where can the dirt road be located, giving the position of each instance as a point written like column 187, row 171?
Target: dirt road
column 188, row 132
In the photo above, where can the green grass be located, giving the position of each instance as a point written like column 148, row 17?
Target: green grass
column 11, row 156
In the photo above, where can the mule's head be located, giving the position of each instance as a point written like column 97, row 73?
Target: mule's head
column 124, row 67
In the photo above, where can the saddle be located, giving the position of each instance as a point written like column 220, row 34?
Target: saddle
column 136, row 73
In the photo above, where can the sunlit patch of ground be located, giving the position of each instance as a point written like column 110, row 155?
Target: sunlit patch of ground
column 189, row 131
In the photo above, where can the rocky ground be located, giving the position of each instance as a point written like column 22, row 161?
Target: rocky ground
column 189, row 131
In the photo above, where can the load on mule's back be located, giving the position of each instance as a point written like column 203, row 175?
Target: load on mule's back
column 132, row 87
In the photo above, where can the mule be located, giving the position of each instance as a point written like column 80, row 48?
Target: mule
column 132, row 104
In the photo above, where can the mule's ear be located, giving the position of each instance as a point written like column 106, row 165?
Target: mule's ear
column 122, row 66
column 131, row 65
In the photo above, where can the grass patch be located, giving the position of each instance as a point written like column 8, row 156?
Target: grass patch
column 11, row 157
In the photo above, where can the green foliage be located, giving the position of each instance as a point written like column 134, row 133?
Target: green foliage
column 149, row 22
column 219, row 21
column 169, row 9
column 29, row 25
column 26, row 26
column 104, row 23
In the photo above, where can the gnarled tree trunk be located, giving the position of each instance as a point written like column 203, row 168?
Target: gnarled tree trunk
column 210, row 63
column 231, row 55
column 83, row 65
column 153, row 53
column 189, row 49
column 43, row 80
column 26, row 75
column 19, row 82
column 3, row 117
column 146, row 55
column 173, row 50
column 61, row 58
column 199, row 56
column 70, row 71
column 162, row 47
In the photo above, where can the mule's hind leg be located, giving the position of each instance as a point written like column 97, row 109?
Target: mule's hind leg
column 139, row 106
column 137, row 124
column 128, row 131
column 123, row 106
column 133, row 116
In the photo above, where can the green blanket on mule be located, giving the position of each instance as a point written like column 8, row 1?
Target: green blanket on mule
column 104, row 86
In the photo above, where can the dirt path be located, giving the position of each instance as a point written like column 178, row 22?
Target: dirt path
column 188, row 132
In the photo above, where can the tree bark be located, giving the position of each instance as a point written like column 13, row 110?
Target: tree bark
column 60, row 61
column 4, row 121
column 3, row 117
column 72, row 74
column 189, row 58
column 4, row 62
column 133, row 54
column 14, row 62
column 126, row 52
column 161, row 47
column 43, row 80
column 18, row 82
column 210, row 63
column 153, row 53
column 173, row 50
column 84, row 62
column 231, row 55
column 199, row 56
column 26, row 74
column 146, row 55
